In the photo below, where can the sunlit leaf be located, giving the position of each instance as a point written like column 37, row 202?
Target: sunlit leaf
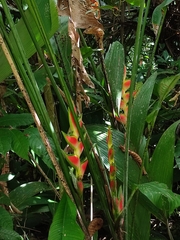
column 161, row 165
column 25, row 191
column 64, row 225
column 163, row 199
column 139, row 111
column 114, row 62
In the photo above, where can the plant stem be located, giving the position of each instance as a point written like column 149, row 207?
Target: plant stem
column 132, row 87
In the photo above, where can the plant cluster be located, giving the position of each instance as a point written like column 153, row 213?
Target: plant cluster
column 89, row 119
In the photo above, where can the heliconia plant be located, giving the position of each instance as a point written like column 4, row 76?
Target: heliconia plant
column 117, row 197
column 76, row 146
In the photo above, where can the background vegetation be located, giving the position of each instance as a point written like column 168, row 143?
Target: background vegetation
column 89, row 119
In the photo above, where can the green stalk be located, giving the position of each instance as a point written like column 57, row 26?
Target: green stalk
column 92, row 163
column 132, row 87
column 37, row 101
column 38, row 48
column 144, row 23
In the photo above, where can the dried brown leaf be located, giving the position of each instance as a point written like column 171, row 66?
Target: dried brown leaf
column 63, row 8
column 77, row 61
column 95, row 225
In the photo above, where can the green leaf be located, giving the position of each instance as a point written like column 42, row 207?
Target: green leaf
column 64, row 225
column 16, row 120
column 164, row 200
column 37, row 200
column 5, row 141
column 158, row 11
column 7, row 234
column 139, row 219
column 49, row 12
column 4, row 199
column 139, row 111
column 5, row 219
column 161, row 165
column 166, row 85
column 37, row 145
column 6, row 177
column 25, row 191
column 114, row 62
column 20, row 144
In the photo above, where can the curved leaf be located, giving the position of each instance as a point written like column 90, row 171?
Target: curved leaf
column 64, row 225
column 37, row 145
column 139, row 111
column 164, row 200
column 161, row 165
column 114, row 62
column 166, row 85
column 157, row 14
column 25, row 191
column 6, row 234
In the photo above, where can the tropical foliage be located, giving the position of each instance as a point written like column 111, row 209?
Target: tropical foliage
column 89, row 119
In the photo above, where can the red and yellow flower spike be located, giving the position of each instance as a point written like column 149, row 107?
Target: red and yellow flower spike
column 77, row 148
column 117, row 199
column 112, row 171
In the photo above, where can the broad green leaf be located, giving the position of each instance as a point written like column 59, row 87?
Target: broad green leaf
column 177, row 153
column 5, row 141
column 25, row 191
column 49, row 12
column 37, row 200
column 5, row 219
column 7, row 234
column 163, row 200
column 114, row 62
column 16, row 120
column 139, row 219
column 64, row 225
column 158, row 11
column 139, row 111
column 161, row 165
column 20, row 144
column 37, row 145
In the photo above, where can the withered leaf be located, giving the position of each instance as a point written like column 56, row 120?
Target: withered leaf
column 95, row 225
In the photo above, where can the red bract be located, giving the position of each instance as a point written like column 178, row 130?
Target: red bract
column 80, row 186
column 84, row 166
column 77, row 146
column 126, row 85
column 73, row 160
